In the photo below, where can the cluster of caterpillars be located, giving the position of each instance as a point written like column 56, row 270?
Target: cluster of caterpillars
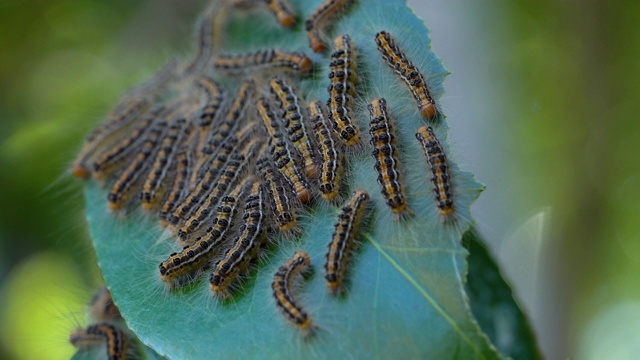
column 229, row 169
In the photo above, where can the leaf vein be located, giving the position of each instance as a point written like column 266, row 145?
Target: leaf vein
column 423, row 292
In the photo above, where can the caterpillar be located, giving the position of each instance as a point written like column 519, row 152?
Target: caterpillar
column 245, row 246
column 279, row 193
column 344, row 63
column 408, row 72
column 213, row 95
column 186, row 207
column 116, row 340
column 281, row 154
column 179, row 187
column 118, row 121
column 211, row 172
column 385, row 152
column 319, row 19
column 126, row 183
column 343, row 77
column 204, row 186
column 344, row 240
column 439, row 169
column 154, row 187
column 226, row 127
column 229, row 176
column 212, row 161
column 208, row 182
column 195, row 256
column 332, row 165
column 291, row 113
column 102, row 307
column 269, row 58
column 111, row 159
column 283, row 282
column 205, row 48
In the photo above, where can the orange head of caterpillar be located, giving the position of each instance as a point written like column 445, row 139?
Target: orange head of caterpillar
column 428, row 110
column 315, row 42
column 283, row 12
column 80, row 171
column 304, row 194
column 304, row 64
column 286, row 20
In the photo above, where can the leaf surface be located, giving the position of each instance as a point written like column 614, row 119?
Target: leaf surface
column 406, row 296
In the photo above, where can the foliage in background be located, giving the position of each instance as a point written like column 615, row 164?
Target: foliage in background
column 63, row 64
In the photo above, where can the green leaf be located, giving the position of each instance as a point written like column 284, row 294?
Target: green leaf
column 493, row 304
column 406, row 296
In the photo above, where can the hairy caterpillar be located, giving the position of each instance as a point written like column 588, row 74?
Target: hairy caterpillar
column 283, row 283
column 344, row 240
column 437, row 161
column 408, row 72
column 385, row 152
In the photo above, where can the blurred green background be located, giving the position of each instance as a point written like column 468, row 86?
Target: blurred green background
column 543, row 104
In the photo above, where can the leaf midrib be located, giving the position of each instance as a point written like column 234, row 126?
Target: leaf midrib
column 423, row 292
